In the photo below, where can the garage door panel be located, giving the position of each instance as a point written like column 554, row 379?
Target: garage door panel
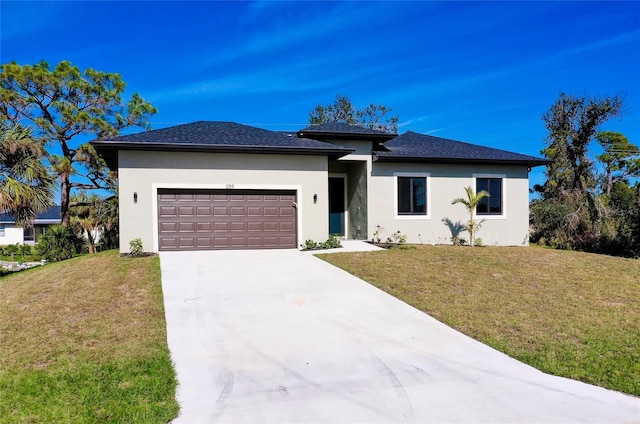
column 238, row 226
column 238, row 211
column 186, row 197
column 286, row 227
column 220, row 211
column 169, row 211
column 286, row 211
column 221, row 226
column 270, row 211
column 186, row 227
column 204, row 242
column 271, row 226
column 186, row 211
column 204, row 226
column 186, row 242
column 168, row 243
column 223, row 219
column 168, row 227
column 255, row 226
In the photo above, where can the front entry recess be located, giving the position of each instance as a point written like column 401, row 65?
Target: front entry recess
column 336, row 206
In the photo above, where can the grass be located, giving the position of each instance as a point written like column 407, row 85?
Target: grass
column 571, row 314
column 84, row 341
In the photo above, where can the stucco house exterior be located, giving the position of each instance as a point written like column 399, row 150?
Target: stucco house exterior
column 223, row 185
column 10, row 233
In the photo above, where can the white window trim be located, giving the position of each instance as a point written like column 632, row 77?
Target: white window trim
column 427, row 177
column 503, row 215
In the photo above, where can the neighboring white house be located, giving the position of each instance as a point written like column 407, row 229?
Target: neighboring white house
column 222, row 185
column 10, row 233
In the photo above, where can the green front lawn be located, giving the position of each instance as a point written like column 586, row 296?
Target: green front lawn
column 84, row 341
column 567, row 313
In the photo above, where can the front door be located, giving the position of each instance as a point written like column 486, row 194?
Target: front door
column 336, row 206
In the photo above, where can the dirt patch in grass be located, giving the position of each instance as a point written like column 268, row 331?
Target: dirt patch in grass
column 567, row 313
column 84, row 340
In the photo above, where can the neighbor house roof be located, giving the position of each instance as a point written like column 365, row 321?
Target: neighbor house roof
column 49, row 216
column 414, row 147
column 341, row 130
column 212, row 136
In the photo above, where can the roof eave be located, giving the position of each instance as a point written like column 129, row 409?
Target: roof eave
column 110, row 147
column 473, row 161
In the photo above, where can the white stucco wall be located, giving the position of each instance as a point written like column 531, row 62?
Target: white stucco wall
column 12, row 235
column 445, row 183
column 146, row 172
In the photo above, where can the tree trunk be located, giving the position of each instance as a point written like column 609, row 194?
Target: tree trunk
column 65, row 191
column 91, row 242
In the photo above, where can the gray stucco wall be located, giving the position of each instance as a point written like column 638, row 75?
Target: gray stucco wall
column 445, row 183
column 145, row 172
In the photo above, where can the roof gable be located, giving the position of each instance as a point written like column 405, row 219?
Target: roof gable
column 215, row 133
column 215, row 136
column 412, row 146
column 333, row 130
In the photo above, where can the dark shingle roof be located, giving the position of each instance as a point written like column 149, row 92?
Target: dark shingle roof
column 50, row 215
column 213, row 136
column 218, row 133
column 340, row 129
column 414, row 147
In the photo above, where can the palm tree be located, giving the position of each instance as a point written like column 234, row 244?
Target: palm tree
column 26, row 185
column 470, row 203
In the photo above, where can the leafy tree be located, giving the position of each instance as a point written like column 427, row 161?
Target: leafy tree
column 108, row 218
column 582, row 208
column 471, row 201
column 620, row 159
column 342, row 110
column 26, row 186
column 64, row 103
column 95, row 217
column 572, row 123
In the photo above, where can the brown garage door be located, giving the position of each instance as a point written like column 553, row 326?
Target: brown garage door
column 226, row 219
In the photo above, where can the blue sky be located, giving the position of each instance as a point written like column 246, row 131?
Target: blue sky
column 481, row 72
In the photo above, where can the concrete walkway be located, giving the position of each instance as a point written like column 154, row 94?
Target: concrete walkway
column 280, row 336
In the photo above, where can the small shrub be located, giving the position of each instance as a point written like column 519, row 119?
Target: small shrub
column 332, row 242
column 11, row 250
column 462, row 241
column 59, row 243
column 395, row 239
column 479, row 242
column 377, row 235
column 25, row 250
column 135, row 247
column 398, row 238
column 309, row 245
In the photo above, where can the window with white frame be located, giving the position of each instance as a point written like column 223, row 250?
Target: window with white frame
column 411, row 195
column 1, row 230
column 494, row 203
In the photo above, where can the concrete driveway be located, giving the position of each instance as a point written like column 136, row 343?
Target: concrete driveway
column 281, row 336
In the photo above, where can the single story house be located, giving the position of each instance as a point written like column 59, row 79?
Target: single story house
column 223, row 185
column 10, row 233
